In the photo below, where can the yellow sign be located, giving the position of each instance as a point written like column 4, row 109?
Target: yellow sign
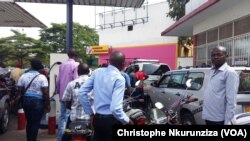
column 96, row 50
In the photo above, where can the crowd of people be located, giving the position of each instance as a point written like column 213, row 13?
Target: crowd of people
column 109, row 85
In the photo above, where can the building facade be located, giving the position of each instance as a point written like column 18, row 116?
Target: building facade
column 137, row 33
column 213, row 23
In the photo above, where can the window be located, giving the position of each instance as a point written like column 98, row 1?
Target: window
column 226, row 31
column 233, row 35
column 210, row 47
column 197, row 80
column 177, row 81
column 201, row 38
column 228, row 43
column 129, row 69
column 164, row 81
column 155, row 69
column 242, row 26
column 212, row 35
column 244, row 86
column 241, row 50
column 201, row 55
column 130, row 27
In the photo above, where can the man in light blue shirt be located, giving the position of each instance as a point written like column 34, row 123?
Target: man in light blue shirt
column 221, row 91
column 108, row 86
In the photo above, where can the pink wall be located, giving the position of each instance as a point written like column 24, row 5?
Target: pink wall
column 166, row 53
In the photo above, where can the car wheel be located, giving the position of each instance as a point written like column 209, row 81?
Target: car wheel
column 187, row 119
column 4, row 121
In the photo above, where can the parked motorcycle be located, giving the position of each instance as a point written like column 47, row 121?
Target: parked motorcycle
column 135, row 114
column 79, row 130
column 8, row 86
column 162, row 115
column 241, row 119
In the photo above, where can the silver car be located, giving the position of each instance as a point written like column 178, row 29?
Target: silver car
column 171, row 86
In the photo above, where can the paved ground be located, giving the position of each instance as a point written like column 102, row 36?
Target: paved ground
column 19, row 135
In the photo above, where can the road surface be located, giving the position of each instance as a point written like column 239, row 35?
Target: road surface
column 19, row 135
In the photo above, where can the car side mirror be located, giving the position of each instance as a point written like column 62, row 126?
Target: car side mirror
column 189, row 83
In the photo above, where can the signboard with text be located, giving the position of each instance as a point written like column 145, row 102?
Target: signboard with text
column 96, row 50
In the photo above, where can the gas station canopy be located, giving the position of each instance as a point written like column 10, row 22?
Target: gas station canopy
column 12, row 15
column 116, row 3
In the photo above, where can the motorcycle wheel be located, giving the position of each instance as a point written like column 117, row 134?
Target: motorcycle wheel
column 4, row 121
column 187, row 119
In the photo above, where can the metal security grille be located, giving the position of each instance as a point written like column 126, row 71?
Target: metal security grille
column 212, row 35
column 210, row 47
column 201, row 55
column 226, row 31
column 241, row 49
column 235, row 36
column 237, row 48
column 228, row 43
column 242, row 26
column 201, row 38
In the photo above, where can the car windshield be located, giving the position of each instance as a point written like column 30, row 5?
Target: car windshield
column 155, row 69
column 244, row 86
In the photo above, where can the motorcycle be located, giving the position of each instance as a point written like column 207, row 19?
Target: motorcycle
column 7, row 85
column 162, row 115
column 241, row 119
column 135, row 114
column 79, row 130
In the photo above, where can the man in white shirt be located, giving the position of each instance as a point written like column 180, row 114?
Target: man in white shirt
column 70, row 96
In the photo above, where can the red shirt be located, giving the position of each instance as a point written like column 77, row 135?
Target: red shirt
column 140, row 75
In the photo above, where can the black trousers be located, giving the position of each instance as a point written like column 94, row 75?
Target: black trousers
column 208, row 122
column 103, row 125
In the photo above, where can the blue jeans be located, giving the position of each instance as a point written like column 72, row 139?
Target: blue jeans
column 64, row 114
column 34, row 110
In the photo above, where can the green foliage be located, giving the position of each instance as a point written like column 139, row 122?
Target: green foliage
column 176, row 11
column 20, row 48
column 54, row 38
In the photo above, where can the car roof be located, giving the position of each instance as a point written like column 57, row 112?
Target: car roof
column 148, row 68
column 241, row 68
column 137, row 61
column 206, row 69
